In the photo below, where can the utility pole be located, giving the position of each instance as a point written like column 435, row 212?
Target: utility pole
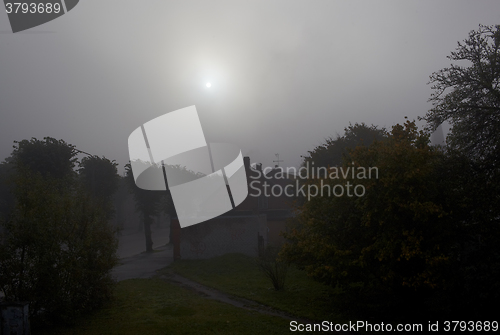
column 277, row 160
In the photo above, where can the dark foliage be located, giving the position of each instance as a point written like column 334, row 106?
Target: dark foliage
column 100, row 178
column 57, row 250
column 422, row 241
column 57, row 246
column 468, row 96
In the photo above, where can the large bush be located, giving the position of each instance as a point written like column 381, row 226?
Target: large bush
column 424, row 236
column 57, row 248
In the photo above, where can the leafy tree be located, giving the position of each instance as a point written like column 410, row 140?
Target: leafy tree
column 6, row 198
column 100, row 176
column 394, row 238
column 50, row 157
column 57, row 245
column 468, row 96
column 331, row 152
column 58, row 249
column 120, row 201
column 424, row 231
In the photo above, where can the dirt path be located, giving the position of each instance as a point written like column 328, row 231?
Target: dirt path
column 214, row 294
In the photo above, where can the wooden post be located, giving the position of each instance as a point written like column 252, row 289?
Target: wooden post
column 176, row 238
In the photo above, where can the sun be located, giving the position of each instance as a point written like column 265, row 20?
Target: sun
column 209, row 85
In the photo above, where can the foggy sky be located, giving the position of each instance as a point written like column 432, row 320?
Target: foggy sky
column 285, row 74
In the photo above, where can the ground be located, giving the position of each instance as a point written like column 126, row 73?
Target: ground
column 136, row 263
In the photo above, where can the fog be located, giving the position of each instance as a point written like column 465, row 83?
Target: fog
column 284, row 75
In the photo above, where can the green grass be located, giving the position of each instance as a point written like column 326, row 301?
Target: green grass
column 153, row 306
column 240, row 276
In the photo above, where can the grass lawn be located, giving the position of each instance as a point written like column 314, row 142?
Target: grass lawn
column 239, row 275
column 153, row 306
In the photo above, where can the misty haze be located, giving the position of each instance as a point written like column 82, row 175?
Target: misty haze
column 333, row 166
